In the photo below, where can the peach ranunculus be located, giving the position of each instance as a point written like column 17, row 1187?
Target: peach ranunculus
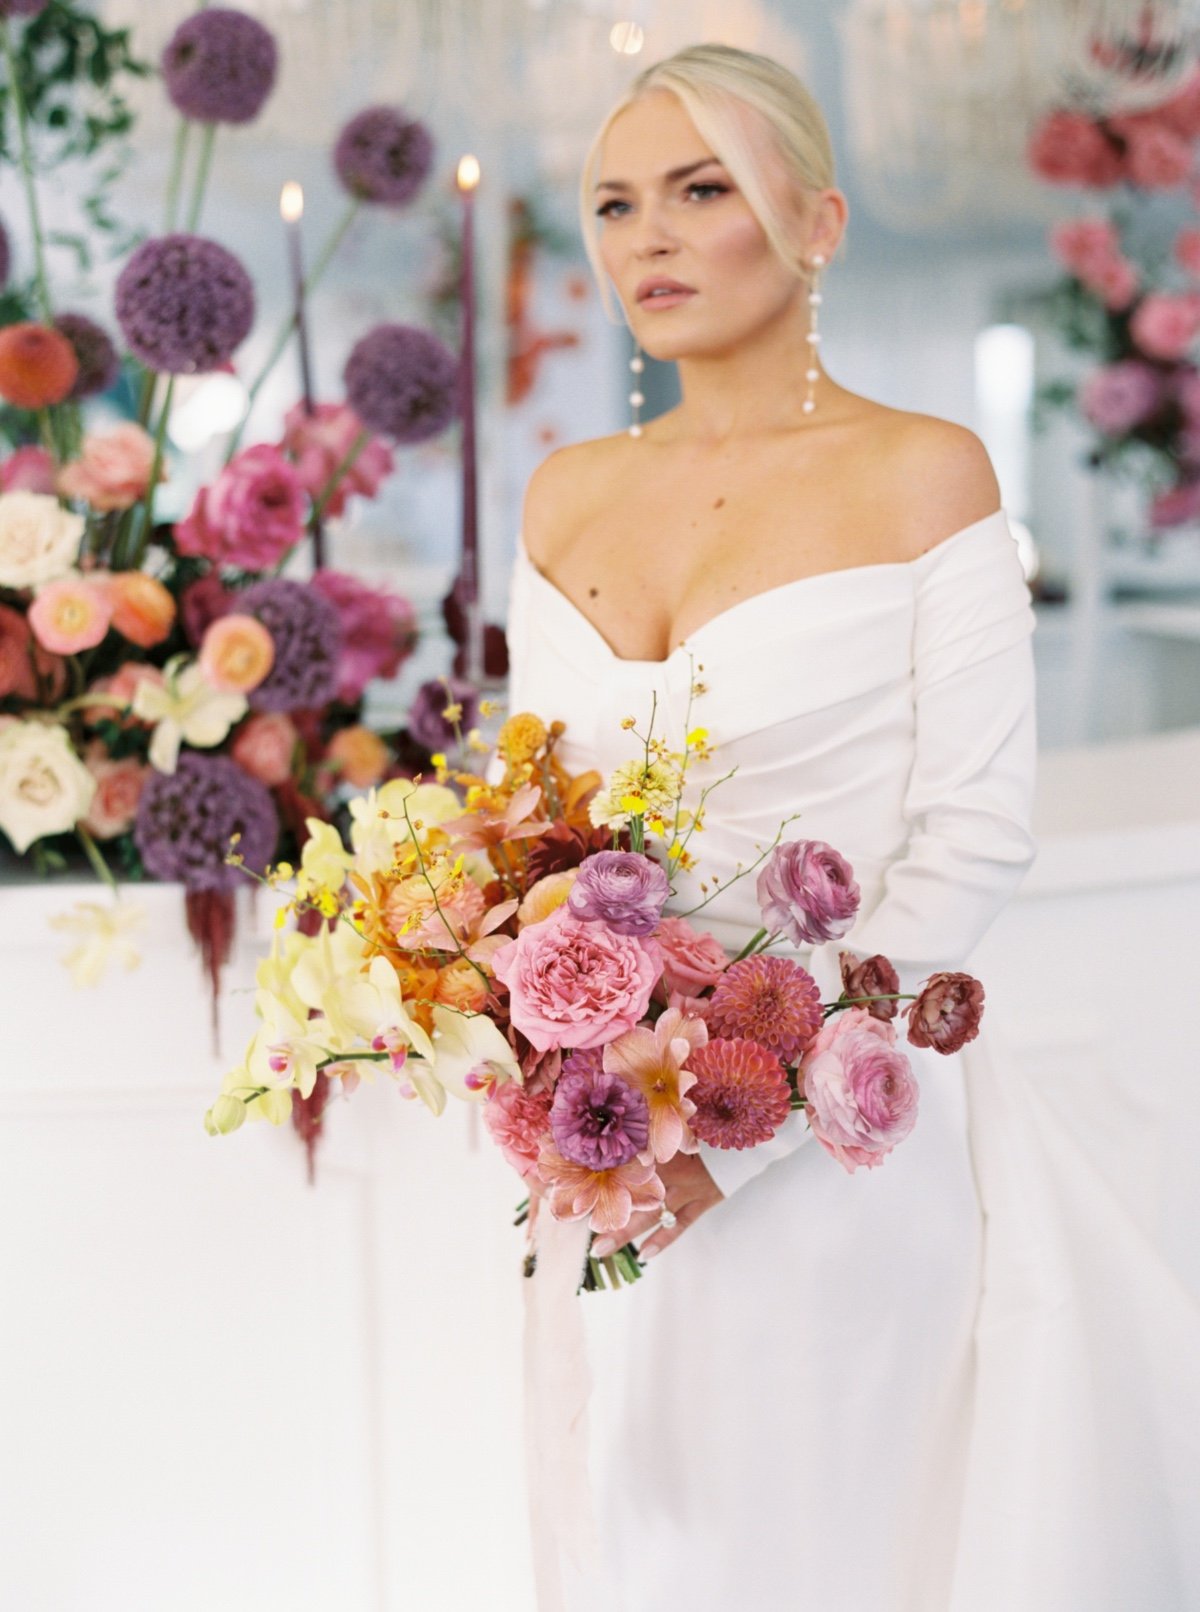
column 118, row 790
column 38, row 365
column 236, row 653
column 1165, row 324
column 113, row 471
column 358, row 755
column 416, row 920
column 264, row 746
column 143, row 610
column 121, row 686
column 70, row 614
column 460, row 985
column 652, row 1061
column 542, row 898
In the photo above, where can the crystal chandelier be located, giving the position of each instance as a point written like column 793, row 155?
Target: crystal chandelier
column 941, row 94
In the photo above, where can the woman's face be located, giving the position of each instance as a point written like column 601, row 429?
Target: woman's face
column 690, row 261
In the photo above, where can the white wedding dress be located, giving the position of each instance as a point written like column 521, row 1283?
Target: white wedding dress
column 956, row 1383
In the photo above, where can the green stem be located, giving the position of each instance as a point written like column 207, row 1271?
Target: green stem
column 202, row 172
column 750, row 945
column 92, row 850
column 176, row 179
column 348, row 463
column 26, row 165
column 141, row 542
column 283, row 335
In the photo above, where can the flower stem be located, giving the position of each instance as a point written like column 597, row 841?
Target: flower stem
column 176, row 179
column 26, row 165
column 142, row 541
column 92, row 851
column 202, row 172
column 347, row 464
column 751, row 945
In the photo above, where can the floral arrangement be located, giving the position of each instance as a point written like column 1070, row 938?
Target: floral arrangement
column 163, row 685
column 501, row 937
column 1130, row 299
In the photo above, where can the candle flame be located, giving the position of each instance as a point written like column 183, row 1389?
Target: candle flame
column 291, row 202
column 468, row 173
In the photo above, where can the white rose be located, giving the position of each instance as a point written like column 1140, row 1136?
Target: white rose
column 39, row 539
column 44, row 786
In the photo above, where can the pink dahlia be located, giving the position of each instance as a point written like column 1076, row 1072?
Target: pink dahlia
column 770, row 1000
column 741, row 1094
column 610, row 1197
column 518, row 1121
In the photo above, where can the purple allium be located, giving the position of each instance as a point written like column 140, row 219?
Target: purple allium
column 308, row 644
column 185, row 819
column 219, row 66
column 5, row 249
column 427, row 722
column 99, row 362
column 184, row 304
column 599, row 1120
column 402, row 382
column 622, row 889
column 807, row 890
column 382, row 156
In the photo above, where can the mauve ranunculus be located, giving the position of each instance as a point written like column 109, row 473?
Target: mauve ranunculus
column 379, row 630
column 807, row 890
column 1155, row 156
column 599, row 1120
column 871, row 976
column 319, row 443
column 692, row 958
column 251, row 515
column 28, row 470
column 573, row 984
column 859, row 1088
column 622, row 889
column 1067, row 148
column 1165, row 323
column 1119, row 396
column 946, row 1013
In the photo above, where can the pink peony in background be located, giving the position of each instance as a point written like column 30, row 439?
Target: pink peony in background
column 320, row 442
column 379, row 630
column 1156, row 158
column 251, row 515
column 1165, row 324
column 1067, row 148
column 118, row 790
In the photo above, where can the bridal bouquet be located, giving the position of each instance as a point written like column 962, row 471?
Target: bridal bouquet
column 503, row 939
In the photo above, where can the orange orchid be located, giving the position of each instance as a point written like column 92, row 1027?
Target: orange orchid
column 653, row 1061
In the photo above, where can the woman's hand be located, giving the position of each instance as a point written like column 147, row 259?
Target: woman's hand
column 690, row 1191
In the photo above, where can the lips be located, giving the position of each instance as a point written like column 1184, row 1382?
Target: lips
column 660, row 289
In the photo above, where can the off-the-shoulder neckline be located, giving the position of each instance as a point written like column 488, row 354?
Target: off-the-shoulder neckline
column 722, row 616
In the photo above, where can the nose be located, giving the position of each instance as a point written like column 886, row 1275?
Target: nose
column 652, row 238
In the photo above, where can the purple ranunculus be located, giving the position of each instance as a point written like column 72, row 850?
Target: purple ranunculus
column 402, row 382
column 184, row 304
column 99, row 362
column 382, row 156
column 807, row 890
column 185, row 819
column 308, row 643
column 427, row 721
column 598, row 1120
column 379, row 630
column 1119, row 396
column 622, row 889
column 219, row 66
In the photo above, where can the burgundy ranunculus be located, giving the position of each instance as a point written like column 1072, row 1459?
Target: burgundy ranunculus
column 871, row 976
column 946, row 1014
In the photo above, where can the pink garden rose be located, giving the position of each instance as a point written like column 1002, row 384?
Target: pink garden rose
column 113, row 471
column 1116, row 397
column 1166, row 324
column 859, row 1088
column 251, row 515
column 28, row 470
column 320, row 442
column 1067, row 148
column 1187, row 250
column 1085, row 245
column 379, row 630
column 518, row 1121
column 118, row 790
column 263, row 747
column 576, row 984
column 692, row 958
column 1156, row 158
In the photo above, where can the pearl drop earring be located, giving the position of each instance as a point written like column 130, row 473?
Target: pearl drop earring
column 812, row 374
column 637, row 365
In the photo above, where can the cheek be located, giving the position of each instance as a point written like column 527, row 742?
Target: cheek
column 737, row 244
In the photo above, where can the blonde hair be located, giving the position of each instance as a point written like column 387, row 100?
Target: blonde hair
column 716, row 84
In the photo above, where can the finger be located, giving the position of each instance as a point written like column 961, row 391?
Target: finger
column 637, row 1227
column 666, row 1235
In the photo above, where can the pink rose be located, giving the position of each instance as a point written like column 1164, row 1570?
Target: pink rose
column 251, row 515
column 1119, row 396
column 320, row 442
column 860, row 1090
column 1067, row 148
column 263, row 747
column 1181, row 113
column 1187, row 250
column 1084, row 245
column 1177, row 505
column 518, row 1120
column 1155, row 156
column 118, row 789
column 122, row 685
column 379, row 630
column 576, row 984
column 1116, row 283
column 28, row 470
column 692, row 958
column 113, row 471
column 1165, row 323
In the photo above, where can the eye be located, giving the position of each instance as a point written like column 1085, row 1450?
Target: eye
column 606, row 211
column 710, row 186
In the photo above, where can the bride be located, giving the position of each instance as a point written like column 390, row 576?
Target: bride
column 834, row 1393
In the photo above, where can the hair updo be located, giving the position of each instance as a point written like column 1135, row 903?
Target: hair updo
column 716, row 85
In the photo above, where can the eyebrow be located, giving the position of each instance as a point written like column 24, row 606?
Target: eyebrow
column 671, row 177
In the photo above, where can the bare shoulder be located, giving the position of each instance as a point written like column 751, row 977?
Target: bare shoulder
column 564, row 489
column 942, row 476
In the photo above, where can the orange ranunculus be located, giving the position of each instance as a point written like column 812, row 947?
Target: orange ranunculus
column 237, row 653
column 361, row 757
column 70, row 614
column 143, row 610
column 38, row 366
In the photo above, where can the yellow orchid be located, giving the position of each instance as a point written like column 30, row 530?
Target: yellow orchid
column 102, row 936
column 186, row 709
column 378, row 823
column 286, row 1050
column 326, row 971
column 470, row 1055
column 323, row 864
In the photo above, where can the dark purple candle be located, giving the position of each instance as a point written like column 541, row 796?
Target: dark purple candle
column 467, row 180
column 291, row 207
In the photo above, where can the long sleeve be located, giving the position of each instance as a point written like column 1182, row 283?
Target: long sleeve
column 969, row 798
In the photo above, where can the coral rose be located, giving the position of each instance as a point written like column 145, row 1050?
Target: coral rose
column 576, row 984
column 692, row 958
column 38, row 366
column 1165, row 324
column 118, row 790
column 264, row 747
column 113, row 471
column 1068, row 148
column 236, row 653
column 143, row 610
column 70, row 614
column 24, row 663
column 859, row 1088
column 122, row 686
column 359, row 754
